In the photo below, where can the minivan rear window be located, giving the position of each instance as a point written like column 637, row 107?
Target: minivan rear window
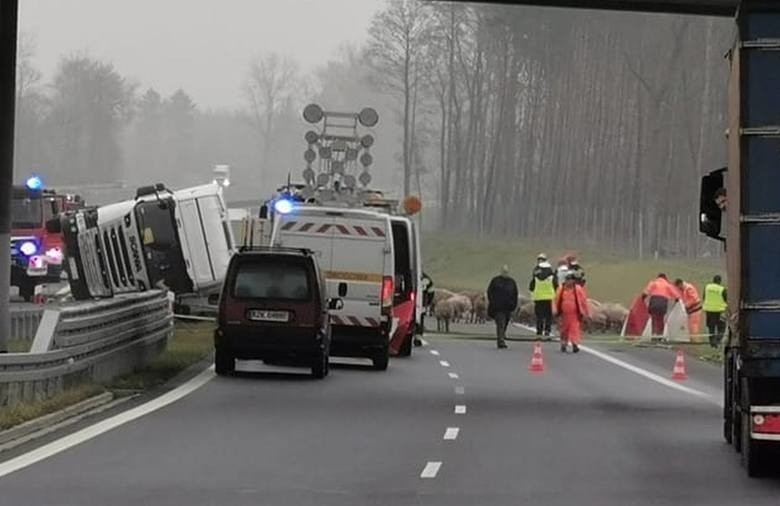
column 272, row 280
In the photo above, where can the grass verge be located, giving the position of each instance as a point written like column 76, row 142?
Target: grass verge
column 19, row 346
column 191, row 343
column 468, row 263
column 23, row 412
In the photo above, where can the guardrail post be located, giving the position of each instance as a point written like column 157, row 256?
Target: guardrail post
column 44, row 336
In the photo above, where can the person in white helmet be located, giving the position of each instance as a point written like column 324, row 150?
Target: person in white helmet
column 543, row 285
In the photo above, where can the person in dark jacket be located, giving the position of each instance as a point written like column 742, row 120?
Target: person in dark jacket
column 502, row 302
column 543, row 286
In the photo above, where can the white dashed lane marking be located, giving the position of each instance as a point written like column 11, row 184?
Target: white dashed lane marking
column 453, row 375
column 431, row 470
column 460, row 409
column 434, row 353
column 451, row 433
column 460, row 390
column 444, row 363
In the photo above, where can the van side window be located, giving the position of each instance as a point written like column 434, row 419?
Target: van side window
column 272, row 280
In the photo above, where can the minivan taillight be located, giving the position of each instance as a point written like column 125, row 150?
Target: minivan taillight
column 388, row 288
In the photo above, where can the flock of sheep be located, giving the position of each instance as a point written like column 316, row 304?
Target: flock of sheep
column 471, row 307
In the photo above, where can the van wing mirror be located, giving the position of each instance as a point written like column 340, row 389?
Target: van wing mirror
column 342, row 289
column 710, row 215
column 335, row 304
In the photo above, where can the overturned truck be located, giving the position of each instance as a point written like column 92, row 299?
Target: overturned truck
column 179, row 240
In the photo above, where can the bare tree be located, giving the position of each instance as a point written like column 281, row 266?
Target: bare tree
column 396, row 50
column 271, row 81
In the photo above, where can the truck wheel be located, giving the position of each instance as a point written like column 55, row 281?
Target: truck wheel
column 224, row 363
column 754, row 458
column 321, row 366
column 406, row 347
column 381, row 360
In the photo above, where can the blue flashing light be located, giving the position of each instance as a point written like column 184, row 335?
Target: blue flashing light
column 35, row 183
column 283, row 206
column 28, row 248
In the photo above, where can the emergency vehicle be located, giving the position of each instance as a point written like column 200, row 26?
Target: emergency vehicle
column 355, row 250
column 36, row 253
column 180, row 240
column 337, row 187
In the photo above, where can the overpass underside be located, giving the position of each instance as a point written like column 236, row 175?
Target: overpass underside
column 702, row 7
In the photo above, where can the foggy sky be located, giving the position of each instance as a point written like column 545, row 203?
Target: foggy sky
column 203, row 46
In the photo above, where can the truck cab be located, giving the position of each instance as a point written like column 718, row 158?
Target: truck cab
column 180, row 240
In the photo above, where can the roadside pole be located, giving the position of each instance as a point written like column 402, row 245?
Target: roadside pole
column 9, row 10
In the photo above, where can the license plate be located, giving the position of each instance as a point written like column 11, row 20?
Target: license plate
column 262, row 315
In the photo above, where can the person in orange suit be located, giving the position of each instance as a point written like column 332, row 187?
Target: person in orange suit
column 571, row 304
column 692, row 302
column 660, row 294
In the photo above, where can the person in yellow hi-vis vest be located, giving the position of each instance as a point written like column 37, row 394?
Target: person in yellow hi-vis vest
column 543, row 286
column 714, row 306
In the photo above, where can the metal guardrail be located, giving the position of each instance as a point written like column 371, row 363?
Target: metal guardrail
column 96, row 340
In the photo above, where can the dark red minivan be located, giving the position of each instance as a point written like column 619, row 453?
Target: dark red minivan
column 274, row 308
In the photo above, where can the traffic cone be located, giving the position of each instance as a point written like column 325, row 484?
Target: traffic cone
column 537, row 361
column 679, row 374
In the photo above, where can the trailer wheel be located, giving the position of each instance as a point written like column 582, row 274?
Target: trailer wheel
column 754, row 453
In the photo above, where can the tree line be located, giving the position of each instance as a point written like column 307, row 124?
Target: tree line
column 576, row 126
column 559, row 124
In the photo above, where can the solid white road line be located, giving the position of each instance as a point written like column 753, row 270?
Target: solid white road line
column 460, row 390
column 451, row 433
column 106, row 425
column 650, row 375
column 646, row 374
column 434, row 353
column 453, row 375
column 460, row 409
column 431, row 470
column 444, row 363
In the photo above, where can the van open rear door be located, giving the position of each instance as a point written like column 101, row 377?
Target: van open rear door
column 204, row 231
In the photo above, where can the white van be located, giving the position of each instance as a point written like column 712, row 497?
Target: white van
column 354, row 248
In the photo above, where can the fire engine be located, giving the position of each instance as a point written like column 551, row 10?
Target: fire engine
column 36, row 253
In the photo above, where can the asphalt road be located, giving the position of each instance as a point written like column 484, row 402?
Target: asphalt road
column 585, row 432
